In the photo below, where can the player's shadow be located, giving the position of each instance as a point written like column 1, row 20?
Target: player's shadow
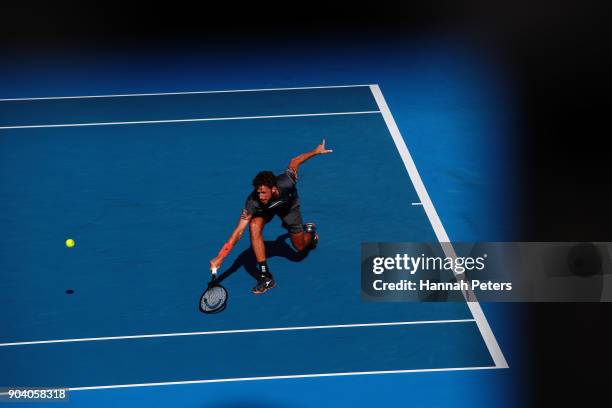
column 276, row 248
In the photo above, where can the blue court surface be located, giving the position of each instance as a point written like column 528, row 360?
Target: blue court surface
column 150, row 186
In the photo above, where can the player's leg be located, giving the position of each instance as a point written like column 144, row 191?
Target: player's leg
column 256, row 227
column 265, row 281
column 300, row 240
column 303, row 236
column 305, row 240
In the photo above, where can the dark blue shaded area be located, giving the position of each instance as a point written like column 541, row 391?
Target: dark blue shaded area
column 185, row 106
column 245, row 354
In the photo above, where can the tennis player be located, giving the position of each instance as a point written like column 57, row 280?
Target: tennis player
column 273, row 195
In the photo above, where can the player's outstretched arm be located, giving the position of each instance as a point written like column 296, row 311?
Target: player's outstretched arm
column 243, row 222
column 297, row 161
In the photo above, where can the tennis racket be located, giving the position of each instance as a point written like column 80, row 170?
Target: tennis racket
column 214, row 298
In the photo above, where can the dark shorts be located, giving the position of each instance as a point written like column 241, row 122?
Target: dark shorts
column 291, row 217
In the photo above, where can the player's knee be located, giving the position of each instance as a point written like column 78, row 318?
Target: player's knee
column 256, row 229
column 298, row 242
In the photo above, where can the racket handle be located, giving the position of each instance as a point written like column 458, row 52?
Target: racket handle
column 214, row 272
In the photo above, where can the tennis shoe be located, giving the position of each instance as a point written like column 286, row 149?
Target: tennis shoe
column 311, row 228
column 264, row 285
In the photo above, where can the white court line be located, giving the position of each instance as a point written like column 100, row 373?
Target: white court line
column 141, row 122
column 278, row 377
column 274, row 329
column 417, row 203
column 481, row 320
column 182, row 93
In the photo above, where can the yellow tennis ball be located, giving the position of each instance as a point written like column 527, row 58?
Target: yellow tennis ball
column 70, row 242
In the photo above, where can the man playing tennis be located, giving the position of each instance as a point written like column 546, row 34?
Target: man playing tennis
column 273, row 195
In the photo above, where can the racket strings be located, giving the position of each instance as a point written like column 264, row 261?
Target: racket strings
column 213, row 299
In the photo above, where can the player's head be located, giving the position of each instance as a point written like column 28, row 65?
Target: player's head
column 265, row 185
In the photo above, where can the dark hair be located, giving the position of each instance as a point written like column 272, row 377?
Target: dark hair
column 264, row 178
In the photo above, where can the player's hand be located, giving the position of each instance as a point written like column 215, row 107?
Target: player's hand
column 320, row 149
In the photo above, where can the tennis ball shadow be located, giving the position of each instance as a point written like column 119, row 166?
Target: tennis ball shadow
column 277, row 248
